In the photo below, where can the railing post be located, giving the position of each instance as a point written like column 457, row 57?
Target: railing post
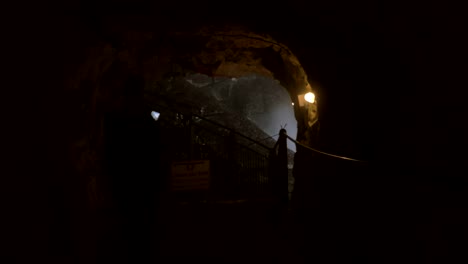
column 231, row 172
column 282, row 177
column 190, row 136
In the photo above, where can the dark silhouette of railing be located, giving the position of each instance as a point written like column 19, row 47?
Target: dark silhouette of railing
column 241, row 167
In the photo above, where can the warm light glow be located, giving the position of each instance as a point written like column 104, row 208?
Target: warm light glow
column 309, row 97
column 292, row 103
column 155, row 115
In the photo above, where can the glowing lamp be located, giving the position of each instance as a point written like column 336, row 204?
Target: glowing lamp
column 309, row 97
column 155, row 115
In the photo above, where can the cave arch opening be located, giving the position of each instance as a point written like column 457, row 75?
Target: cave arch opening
column 170, row 61
column 260, row 103
column 219, row 55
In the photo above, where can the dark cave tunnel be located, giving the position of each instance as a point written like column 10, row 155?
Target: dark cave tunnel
column 376, row 72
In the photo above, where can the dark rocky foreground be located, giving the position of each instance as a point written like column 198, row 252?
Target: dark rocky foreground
column 221, row 232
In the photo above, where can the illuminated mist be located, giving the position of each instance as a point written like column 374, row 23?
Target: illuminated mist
column 260, row 99
column 265, row 102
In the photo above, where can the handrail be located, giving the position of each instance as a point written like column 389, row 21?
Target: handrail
column 324, row 153
column 216, row 124
column 241, row 145
column 232, row 130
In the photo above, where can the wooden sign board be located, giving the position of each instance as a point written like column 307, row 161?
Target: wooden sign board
column 190, row 175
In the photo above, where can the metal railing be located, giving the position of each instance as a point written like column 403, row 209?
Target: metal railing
column 240, row 166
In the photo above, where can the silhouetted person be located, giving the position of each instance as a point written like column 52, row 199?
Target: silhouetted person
column 132, row 153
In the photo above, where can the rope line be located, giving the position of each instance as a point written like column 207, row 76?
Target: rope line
column 324, row 153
